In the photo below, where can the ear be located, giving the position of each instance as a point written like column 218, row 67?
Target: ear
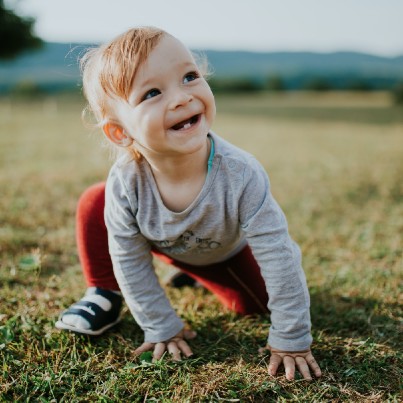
column 116, row 134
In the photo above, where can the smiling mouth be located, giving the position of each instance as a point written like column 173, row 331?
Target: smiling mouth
column 186, row 124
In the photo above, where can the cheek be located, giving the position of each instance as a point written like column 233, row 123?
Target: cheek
column 149, row 122
column 210, row 101
column 213, row 107
column 152, row 119
column 209, row 97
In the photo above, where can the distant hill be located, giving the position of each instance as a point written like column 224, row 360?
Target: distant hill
column 56, row 67
column 291, row 63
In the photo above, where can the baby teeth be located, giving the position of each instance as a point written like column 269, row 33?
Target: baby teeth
column 187, row 125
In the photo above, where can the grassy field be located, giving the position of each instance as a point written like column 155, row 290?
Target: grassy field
column 336, row 167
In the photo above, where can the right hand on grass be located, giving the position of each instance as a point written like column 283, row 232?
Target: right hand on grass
column 303, row 360
column 176, row 346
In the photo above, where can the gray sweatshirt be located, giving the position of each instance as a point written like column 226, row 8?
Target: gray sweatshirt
column 234, row 208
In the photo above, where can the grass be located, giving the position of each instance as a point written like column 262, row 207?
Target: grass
column 339, row 180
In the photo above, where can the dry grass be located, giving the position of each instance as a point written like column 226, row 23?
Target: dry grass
column 339, row 180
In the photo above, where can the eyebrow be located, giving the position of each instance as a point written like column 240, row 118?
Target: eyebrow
column 147, row 84
column 150, row 80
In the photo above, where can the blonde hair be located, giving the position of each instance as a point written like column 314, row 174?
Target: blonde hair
column 108, row 71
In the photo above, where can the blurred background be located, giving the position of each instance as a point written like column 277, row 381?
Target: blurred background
column 261, row 46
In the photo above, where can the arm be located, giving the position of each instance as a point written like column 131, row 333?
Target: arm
column 280, row 261
column 132, row 264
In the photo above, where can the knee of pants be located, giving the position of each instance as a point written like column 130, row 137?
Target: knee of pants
column 92, row 202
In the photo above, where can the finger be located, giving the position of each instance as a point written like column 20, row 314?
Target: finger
column 275, row 361
column 143, row 348
column 159, row 350
column 189, row 334
column 184, row 347
column 289, row 365
column 303, row 368
column 313, row 365
column 174, row 351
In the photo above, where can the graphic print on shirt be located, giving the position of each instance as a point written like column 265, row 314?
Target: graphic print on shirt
column 188, row 240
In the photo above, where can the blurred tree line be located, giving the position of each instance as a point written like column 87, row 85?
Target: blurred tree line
column 398, row 94
column 276, row 84
column 16, row 33
column 242, row 85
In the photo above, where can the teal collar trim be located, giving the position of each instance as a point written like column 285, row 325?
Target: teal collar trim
column 211, row 156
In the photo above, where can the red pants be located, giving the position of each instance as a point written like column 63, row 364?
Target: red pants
column 236, row 282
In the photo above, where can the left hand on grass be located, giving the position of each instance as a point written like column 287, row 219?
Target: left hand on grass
column 303, row 360
column 176, row 346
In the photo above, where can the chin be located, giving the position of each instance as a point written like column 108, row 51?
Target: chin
column 195, row 144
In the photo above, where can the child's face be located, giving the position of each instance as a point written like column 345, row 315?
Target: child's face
column 171, row 107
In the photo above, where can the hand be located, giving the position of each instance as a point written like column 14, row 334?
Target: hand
column 303, row 360
column 176, row 346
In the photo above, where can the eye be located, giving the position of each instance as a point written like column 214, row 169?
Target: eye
column 151, row 94
column 193, row 75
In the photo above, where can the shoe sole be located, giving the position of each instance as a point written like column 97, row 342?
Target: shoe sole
column 63, row 326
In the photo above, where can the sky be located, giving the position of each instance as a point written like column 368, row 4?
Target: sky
column 370, row 26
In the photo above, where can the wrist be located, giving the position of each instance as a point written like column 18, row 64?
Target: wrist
column 275, row 350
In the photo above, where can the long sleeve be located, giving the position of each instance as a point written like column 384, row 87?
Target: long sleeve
column 279, row 258
column 132, row 264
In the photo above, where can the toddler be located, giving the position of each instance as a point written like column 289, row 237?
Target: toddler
column 182, row 194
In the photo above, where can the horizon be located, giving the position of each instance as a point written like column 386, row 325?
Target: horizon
column 224, row 50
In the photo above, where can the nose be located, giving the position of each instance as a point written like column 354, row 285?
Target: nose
column 179, row 97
